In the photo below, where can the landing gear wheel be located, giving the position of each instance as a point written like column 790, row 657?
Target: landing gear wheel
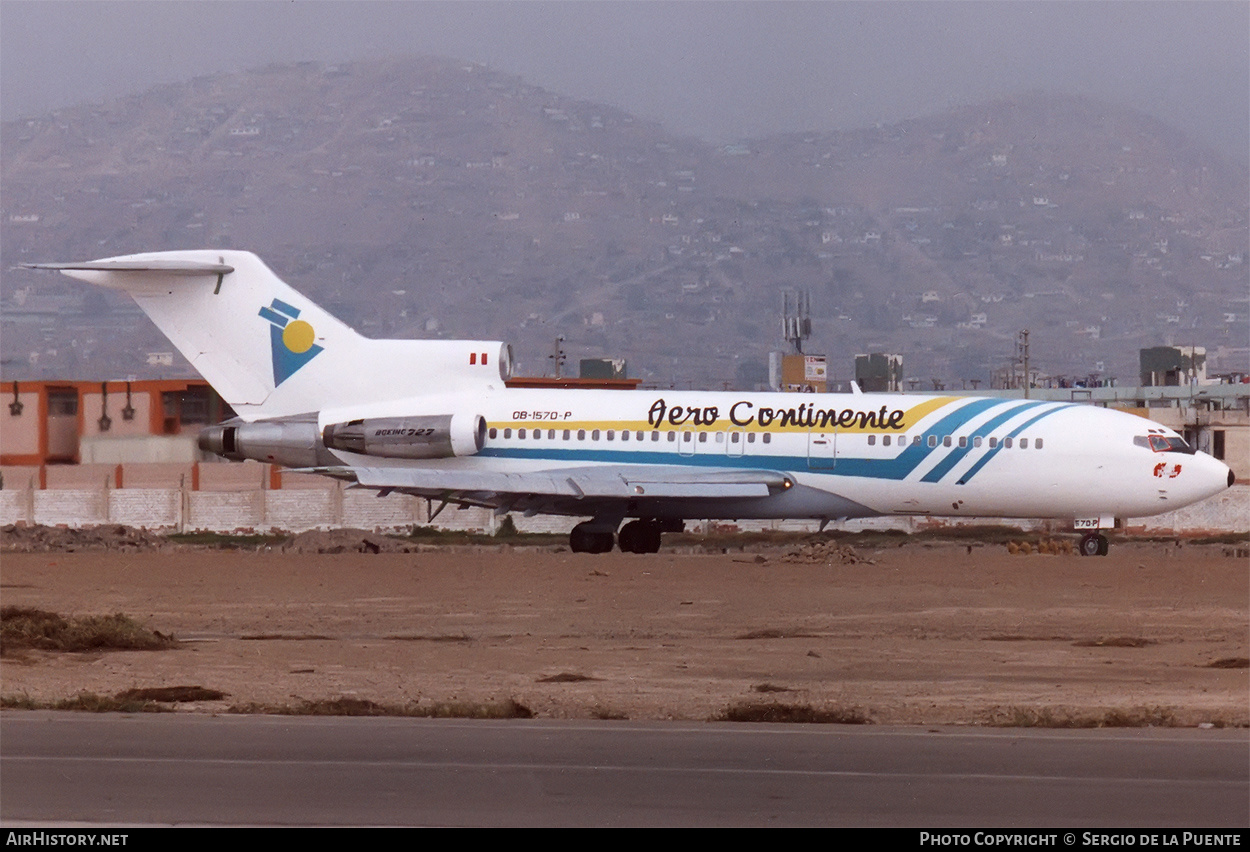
column 586, row 539
column 640, row 537
column 1094, row 544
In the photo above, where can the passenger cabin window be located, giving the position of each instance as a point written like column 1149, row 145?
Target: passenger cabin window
column 993, row 443
column 872, row 440
column 933, row 440
column 768, row 438
column 1038, row 443
column 1024, row 443
column 494, row 432
column 1007, row 443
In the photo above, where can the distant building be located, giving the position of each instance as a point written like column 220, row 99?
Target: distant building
column 1170, row 366
column 879, row 372
column 47, row 422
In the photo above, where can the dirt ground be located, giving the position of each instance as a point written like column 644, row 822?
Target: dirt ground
column 916, row 634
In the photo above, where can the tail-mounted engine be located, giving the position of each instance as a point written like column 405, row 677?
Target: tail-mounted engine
column 288, row 441
column 422, row 437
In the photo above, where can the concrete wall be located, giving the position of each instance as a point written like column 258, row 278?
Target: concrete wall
column 261, row 509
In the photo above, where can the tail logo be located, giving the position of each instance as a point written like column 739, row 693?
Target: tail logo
column 292, row 340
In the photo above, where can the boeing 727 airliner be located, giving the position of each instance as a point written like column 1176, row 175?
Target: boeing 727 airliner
column 435, row 419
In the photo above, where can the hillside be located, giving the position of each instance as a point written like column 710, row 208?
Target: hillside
column 430, row 197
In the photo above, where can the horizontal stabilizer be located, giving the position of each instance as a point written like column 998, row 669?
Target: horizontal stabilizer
column 169, row 267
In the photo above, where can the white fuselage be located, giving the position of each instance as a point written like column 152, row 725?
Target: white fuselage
column 852, row 455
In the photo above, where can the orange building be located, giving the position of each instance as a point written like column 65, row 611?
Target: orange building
column 45, row 422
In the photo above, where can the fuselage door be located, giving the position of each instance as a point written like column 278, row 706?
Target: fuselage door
column 822, row 449
column 685, row 442
column 735, row 442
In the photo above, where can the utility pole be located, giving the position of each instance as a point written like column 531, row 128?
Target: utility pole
column 557, row 355
column 1022, row 355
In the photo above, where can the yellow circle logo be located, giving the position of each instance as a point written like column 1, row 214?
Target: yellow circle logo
column 298, row 336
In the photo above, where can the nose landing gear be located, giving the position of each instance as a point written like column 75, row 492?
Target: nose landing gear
column 1094, row 544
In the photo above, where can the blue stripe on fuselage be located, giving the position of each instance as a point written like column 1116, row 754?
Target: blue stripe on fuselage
column 956, row 456
column 963, row 480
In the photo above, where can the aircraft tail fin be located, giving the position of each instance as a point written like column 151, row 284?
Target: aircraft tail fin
column 268, row 350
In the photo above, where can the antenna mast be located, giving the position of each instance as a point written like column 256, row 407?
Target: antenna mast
column 796, row 317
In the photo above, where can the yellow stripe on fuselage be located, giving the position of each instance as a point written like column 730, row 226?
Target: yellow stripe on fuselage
column 910, row 418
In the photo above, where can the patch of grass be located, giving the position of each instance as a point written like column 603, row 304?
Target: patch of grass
column 229, row 541
column 1114, row 642
column 774, row 633
column 285, row 637
column 509, row 709
column 749, row 711
column 434, row 535
column 171, row 694
column 86, row 702
column 770, row 687
column 1046, row 717
column 566, row 677
column 28, row 628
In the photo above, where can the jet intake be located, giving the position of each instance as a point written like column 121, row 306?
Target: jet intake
column 423, row 437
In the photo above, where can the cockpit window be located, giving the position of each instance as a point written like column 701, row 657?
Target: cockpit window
column 1164, row 444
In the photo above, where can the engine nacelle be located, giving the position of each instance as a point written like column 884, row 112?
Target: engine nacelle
column 291, row 442
column 434, row 436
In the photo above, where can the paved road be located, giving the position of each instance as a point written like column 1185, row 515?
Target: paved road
column 265, row 770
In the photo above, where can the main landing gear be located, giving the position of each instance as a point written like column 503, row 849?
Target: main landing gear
column 1094, row 544
column 641, row 536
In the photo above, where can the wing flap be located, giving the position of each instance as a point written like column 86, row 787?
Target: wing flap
column 577, row 483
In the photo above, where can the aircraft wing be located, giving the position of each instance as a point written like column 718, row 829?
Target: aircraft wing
column 602, row 482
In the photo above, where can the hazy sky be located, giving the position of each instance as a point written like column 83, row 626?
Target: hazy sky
column 721, row 70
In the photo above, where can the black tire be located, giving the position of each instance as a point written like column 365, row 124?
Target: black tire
column 582, row 539
column 630, row 538
column 1090, row 545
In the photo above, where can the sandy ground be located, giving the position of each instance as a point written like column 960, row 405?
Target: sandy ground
column 922, row 634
